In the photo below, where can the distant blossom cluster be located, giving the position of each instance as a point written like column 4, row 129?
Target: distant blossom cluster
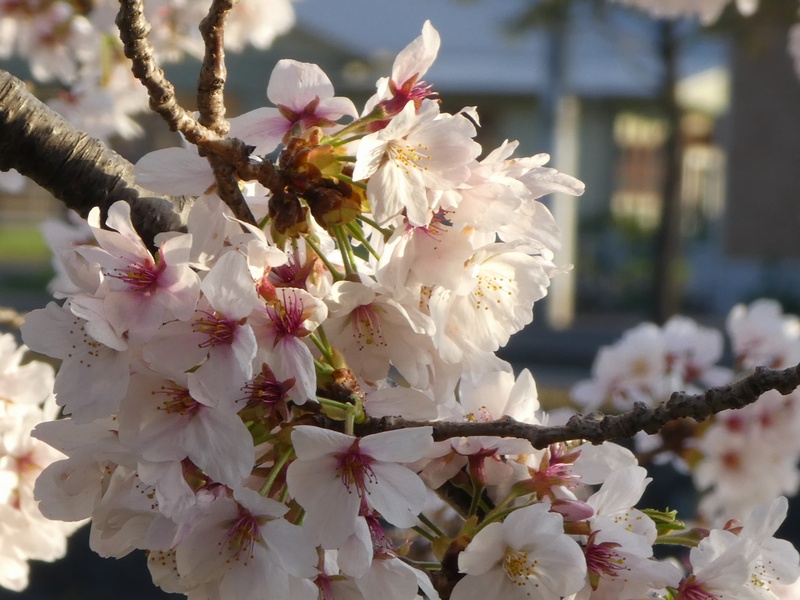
column 741, row 458
column 231, row 369
column 707, row 11
column 76, row 46
column 26, row 399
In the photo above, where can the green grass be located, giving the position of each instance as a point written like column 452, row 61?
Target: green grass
column 22, row 244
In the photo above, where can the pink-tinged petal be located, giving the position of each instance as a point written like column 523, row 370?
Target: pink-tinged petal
column 179, row 289
column 416, row 58
column 355, row 555
column 174, row 171
column 291, row 358
column 485, row 550
column 311, row 442
column 176, row 349
column 140, row 315
column 227, row 369
column 621, row 490
column 258, row 504
column 294, row 84
column 318, row 488
column 390, row 186
column 369, row 156
column 97, row 325
column 411, row 403
column 108, row 372
column 220, row 444
column 84, row 490
column 119, row 219
column 229, row 287
column 397, row 493
column 492, row 584
column 264, row 128
column 290, row 547
column 394, row 579
column 336, row 108
column 248, row 580
column 401, row 446
column 531, row 522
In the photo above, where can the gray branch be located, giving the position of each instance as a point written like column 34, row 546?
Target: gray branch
column 77, row 169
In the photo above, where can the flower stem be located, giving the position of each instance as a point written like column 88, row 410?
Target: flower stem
column 356, row 232
column 337, row 276
column 276, row 468
column 346, row 250
column 430, row 525
column 427, row 535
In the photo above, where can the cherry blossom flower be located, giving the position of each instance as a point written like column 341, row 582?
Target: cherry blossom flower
column 304, row 98
column 526, row 556
column 141, row 293
column 217, row 338
column 375, row 332
column 335, row 474
column 25, row 401
column 416, row 152
column 405, row 84
column 243, row 547
column 57, row 332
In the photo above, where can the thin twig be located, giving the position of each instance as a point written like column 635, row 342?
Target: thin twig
column 211, row 82
column 134, row 29
column 597, row 427
column 228, row 188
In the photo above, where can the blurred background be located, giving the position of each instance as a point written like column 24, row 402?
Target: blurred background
column 686, row 137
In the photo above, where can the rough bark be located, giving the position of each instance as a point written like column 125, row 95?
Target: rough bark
column 597, row 427
column 77, row 169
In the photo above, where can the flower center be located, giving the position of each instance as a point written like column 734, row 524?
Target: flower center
column 218, row 329
column 367, row 327
column 520, row 568
column 354, row 468
column 691, row 589
column 178, row 402
column 242, row 536
column 408, row 156
column 140, row 278
column 288, row 316
column 603, row 559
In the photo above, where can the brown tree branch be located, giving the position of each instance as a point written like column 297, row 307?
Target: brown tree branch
column 208, row 133
column 597, row 427
column 77, row 169
column 133, row 30
column 211, row 82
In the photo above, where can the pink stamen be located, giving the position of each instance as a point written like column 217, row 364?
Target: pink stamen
column 355, row 469
column 179, row 402
column 140, row 278
column 220, row 331
column 691, row 589
column 367, row 327
column 288, row 317
column 603, row 558
column 242, row 536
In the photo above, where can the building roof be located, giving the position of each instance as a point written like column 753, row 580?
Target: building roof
column 610, row 55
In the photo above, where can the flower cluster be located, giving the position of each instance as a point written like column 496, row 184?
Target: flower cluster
column 741, row 458
column 707, row 11
column 215, row 385
column 26, row 400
